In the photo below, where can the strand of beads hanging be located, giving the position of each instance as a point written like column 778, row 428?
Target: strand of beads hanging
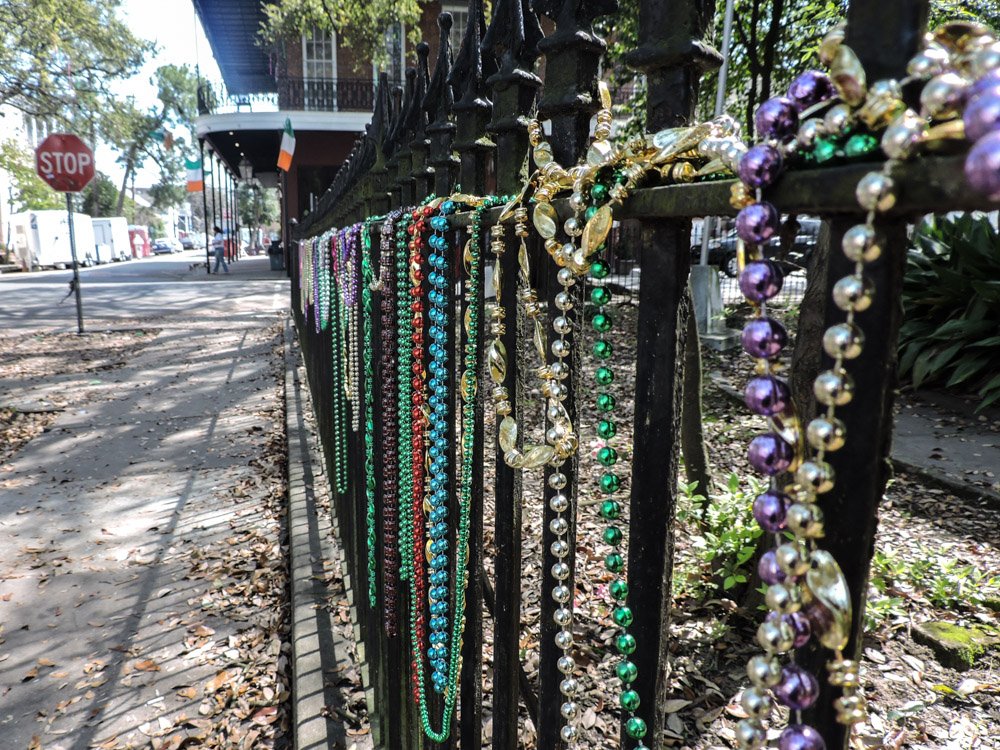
column 329, row 245
column 806, row 592
column 389, row 426
column 444, row 641
column 352, row 236
column 369, row 402
column 324, row 290
column 403, row 357
column 305, row 279
column 560, row 437
column 609, row 484
column 438, row 386
column 317, row 268
column 416, row 377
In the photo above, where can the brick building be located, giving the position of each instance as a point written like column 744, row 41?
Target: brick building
column 324, row 88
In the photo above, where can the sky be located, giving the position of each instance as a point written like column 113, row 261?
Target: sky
column 175, row 28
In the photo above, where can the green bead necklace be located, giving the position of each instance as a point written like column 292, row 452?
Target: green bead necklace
column 366, row 312
column 611, row 509
column 337, row 349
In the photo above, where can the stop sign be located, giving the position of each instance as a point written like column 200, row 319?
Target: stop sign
column 65, row 162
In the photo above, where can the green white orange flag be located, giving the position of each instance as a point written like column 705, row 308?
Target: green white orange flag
column 287, row 146
column 195, row 177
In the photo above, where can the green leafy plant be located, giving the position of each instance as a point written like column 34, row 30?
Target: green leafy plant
column 951, row 307
column 726, row 534
column 880, row 609
column 933, row 573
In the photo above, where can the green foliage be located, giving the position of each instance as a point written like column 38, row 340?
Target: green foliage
column 107, row 197
column 359, row 25
column 950, row 334
column 726, row 534
column 257, row 206
column 30, row 192
column 134, row 132
column 772, row 42
column 50, row 50
column 936, row 575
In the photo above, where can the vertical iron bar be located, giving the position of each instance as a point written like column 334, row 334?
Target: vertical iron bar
column 513, row 35
column 885, row 36
column 472, row 114
column 673, row 53
column 420, row 143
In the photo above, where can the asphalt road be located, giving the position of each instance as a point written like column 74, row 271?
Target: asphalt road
column 143, row 288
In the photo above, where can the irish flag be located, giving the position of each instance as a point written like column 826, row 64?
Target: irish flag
column 287, row 146
column 195, row 179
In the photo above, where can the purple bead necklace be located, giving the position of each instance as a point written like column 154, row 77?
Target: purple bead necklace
column 807, row 594
column 795, row 571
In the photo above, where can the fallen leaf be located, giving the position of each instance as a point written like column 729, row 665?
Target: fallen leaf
column 203, row 631
column 188, row 692
column 218, row 681
column 35, row 743
column 673, row 706
column 266, row 715
column 32, row 674
column 46, row 662
column 147, row 665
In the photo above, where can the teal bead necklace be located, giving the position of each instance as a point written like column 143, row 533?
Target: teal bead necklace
column 438, row 386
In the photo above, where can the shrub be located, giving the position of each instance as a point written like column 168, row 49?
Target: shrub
column 951, row 306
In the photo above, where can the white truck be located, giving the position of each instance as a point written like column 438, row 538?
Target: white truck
column 41, row 239
column 111, row 239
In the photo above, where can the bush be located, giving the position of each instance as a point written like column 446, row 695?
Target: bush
column 951, row 307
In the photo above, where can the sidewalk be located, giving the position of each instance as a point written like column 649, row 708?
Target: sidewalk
column 142, row 576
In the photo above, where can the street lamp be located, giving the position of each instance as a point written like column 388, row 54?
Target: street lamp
column 246, row 169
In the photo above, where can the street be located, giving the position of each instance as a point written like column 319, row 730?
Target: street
column 120, row 292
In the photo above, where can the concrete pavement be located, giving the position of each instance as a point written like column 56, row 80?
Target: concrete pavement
column 142, row 532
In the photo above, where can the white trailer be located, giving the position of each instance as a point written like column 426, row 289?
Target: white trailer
column 41, row 239
column 111, row 239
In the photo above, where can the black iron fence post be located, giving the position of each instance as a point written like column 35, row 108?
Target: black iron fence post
column 513, row 35
column 885, row 36
column 673, row 53
column 420, row 144
column 472, row 113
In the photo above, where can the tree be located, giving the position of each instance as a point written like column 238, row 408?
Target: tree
column 257, row 207
column 50, row 48
column 360, row 24
column 106, row 197
column 139, row 135
column 30, row 191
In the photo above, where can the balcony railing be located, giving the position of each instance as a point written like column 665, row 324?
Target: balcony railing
column 329, row 95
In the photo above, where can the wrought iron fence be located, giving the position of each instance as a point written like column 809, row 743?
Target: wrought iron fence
column 465, row 125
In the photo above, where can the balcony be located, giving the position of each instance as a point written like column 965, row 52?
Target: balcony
column 293, row 94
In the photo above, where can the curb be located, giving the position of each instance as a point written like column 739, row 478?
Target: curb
column 933, row 477
column 316, row 648
column 957, row 487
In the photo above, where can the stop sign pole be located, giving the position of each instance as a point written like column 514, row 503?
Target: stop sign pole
column 66, row 164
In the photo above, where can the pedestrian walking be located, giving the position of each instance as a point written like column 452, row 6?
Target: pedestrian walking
column 219, row 245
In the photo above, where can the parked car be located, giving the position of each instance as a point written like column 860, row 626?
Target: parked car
column 722, row 248
column 165, row 246
column 192, row 242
